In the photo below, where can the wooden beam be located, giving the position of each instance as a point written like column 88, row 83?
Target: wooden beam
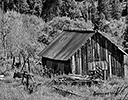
column 65, row 92
column 105, row 70
column 78, row 65
column 93, row 54
column 110, row 67
column 80, row 62
column 86, row 54
column 73, row 64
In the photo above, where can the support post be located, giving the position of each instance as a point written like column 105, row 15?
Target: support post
column 13, row 62
column 110, row 67
column 73, row 65
column 28, row 64
column 80, row 62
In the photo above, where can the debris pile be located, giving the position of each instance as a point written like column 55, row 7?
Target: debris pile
column 74, row 80
column 65, row 92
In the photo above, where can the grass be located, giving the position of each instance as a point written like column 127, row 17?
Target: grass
column 11, row 89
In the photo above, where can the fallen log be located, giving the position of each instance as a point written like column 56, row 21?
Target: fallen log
column 65, row 92
column 118, row 91
column 103, row 93
column 52, row 82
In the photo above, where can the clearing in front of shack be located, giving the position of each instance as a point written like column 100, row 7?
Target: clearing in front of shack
column 56, row 89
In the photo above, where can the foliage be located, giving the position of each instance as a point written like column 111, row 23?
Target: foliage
column 116, row 9
column 33, row 24
column 24, row 30
column 23, row 33
column 105, row 7
column 27, row 34
column 68, row 8
column 48, row 9
column 104, row 15
column 125, row 42
column 65, row 23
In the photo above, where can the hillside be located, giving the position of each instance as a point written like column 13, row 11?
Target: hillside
column 41, row 21
column 28, row 26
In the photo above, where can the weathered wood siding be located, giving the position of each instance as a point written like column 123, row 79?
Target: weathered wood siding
column 98, row 53
column 58, row 67
column 101, row 55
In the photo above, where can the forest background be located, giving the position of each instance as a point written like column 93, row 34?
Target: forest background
column 28, row 26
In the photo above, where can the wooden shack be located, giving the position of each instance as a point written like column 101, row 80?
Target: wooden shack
column 78, row 52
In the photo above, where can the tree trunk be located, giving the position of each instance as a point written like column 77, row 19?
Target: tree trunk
column 19, row 60
column 13, row 62
column 28, row 64
column 24, row 61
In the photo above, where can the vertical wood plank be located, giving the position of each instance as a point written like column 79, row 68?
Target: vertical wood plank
column 73, row 64
column 107, row 60
column 80, row 62
column 98, row 48
column 78, row 71
column 62, row 68
column 120, row 64
column 86, row 56
column 76, row 64
column 124, row 58
column 83, row 57
column 115, row 67
column 105, row 74
column 110, row 67
column 125, row 67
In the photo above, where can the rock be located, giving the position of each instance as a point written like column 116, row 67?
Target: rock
column 2, row 77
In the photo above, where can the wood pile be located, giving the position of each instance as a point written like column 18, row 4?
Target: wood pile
column 74, row 80
column 70, row 80
column 65, row 92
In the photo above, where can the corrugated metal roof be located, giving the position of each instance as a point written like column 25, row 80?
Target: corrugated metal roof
column 66, row 44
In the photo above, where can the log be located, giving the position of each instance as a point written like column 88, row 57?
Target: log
column 103, row 93
column 13, row 62
column 65, row 92
column 118, row 91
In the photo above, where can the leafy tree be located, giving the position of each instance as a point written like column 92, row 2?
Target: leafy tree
column 5, row 29
column 53, row 27
column 68, row 8
column 49, row 9
column 21, row 35
column 35, row 6
column 105, row 7
column 58, row 15
column 23, row 6
column 116, row 9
